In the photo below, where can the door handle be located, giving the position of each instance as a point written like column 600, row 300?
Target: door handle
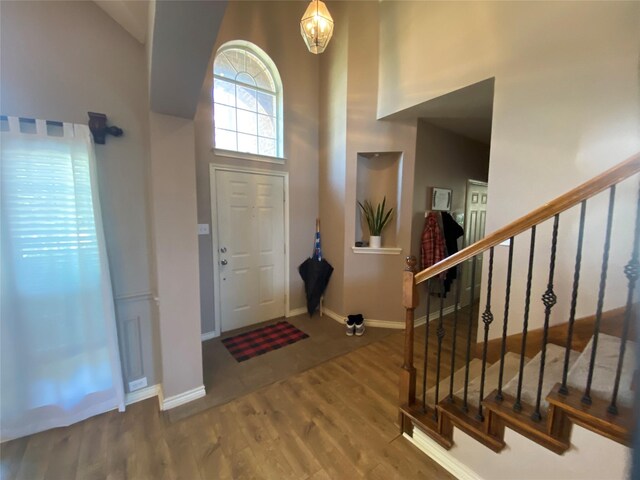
column 223, row 262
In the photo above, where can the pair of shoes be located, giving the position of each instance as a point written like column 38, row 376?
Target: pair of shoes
column 355, row 325
column 351, row 326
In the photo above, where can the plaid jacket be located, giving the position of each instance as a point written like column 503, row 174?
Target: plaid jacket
column 433, row 248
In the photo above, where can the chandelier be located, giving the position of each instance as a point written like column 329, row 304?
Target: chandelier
column 316, row 26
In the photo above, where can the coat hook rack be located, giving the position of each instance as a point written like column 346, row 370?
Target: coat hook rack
column 99, row 128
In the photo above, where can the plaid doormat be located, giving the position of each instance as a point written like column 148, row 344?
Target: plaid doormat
column 262, row 340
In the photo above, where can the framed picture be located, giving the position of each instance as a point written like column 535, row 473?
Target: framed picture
column 441, row 199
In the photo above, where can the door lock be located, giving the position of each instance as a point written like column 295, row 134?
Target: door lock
column 223, row 250
column 223, row 261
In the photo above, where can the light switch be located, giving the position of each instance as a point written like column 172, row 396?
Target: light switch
column 203, row 229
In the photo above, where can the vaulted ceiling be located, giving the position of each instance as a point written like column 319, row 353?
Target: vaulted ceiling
column 132, row 16
column 181, row 35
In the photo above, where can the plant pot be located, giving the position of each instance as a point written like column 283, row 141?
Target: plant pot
column 375, row 241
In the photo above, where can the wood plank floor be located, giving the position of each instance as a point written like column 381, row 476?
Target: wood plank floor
column 226, row 379
column 334, row 421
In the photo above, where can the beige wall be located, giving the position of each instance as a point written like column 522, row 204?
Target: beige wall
column 566, row 107
column 274, row 27
column 333, row 133
column 50, row 72
column 377, row 179
column 373, row 282
column 443, row 159
column 173, row 193
column 367, row 284
column 60, row 60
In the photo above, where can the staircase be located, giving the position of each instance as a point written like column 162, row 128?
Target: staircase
column 537, row 382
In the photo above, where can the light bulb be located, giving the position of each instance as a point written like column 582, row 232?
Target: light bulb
column 316, row 26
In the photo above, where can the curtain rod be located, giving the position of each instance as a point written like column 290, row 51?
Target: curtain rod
column 97, row 125
column 99, row 128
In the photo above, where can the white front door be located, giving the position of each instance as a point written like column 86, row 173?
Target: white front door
column 475, row 218
column 251, row 247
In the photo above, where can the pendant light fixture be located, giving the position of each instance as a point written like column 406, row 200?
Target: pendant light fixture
column 316, row 26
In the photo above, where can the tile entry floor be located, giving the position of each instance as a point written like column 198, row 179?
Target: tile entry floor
column 226, row 379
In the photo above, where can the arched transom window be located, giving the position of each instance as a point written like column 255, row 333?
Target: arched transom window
column 247, row 99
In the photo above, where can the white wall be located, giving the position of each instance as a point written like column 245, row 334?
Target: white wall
column 60, row 60
column 565, row 109
column 274, row 27
column 591, row 457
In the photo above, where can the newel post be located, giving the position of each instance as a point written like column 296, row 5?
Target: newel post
column 408, row 372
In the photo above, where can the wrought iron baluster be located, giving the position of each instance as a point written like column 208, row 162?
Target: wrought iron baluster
column 631, row 270
column 574, row 299
column 517, row 406
column 549, row 299
column 426, row 350
column 506, row 320
column 487, row 319
column 586, row 398
column 440, row 335
column 465, row 405
column 455, row 333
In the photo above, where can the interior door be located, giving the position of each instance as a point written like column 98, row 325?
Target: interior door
column 250, row 226
column 474, row 227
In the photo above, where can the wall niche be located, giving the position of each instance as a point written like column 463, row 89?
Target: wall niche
column 378, row 175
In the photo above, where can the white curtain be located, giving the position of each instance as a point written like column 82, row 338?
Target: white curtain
column 59, row 351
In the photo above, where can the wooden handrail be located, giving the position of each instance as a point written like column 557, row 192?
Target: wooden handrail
column 588, row 189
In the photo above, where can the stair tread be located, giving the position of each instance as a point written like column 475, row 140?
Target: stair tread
column 605, row 369
column 511, row 366
column 553, row 366
column 475, row 367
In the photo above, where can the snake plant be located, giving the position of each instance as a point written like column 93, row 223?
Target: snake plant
column 376, row 219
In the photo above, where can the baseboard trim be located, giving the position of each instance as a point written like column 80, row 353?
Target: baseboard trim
column 441, row 456
column 142, row 394
column 433, row 316
column 134, row 296
column 296, row 311
column 333, row 315
column 369, row 322
column 372, row 322
column 180, row 399
column 209, row 335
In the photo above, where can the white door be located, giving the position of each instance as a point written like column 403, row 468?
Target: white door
column 475, row 217
column 251, row 247
column 475, row 211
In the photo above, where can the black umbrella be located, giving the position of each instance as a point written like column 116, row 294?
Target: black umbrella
column 315, row 272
